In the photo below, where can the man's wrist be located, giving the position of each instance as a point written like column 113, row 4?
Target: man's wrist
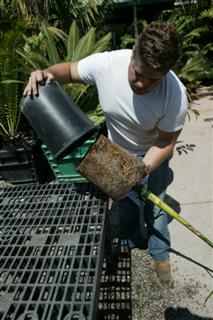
column 147, row 170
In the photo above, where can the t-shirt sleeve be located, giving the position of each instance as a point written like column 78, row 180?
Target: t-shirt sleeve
column 175, row 115
column 88, row 67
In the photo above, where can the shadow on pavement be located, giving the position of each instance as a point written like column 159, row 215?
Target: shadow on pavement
column 174, row 204
column 182, row 314
column 184, row 148
column 207, row 269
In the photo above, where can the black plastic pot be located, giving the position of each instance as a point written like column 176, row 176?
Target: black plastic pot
column 58, row 121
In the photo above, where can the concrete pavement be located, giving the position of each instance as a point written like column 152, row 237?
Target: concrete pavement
column 192, row 188
column 191, row 194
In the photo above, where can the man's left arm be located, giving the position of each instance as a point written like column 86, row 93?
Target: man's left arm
column 161, row 150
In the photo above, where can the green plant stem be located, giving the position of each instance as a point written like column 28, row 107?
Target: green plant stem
column 209, row 295
column 172, row 213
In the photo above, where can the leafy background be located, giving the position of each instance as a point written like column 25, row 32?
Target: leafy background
column 37, row 34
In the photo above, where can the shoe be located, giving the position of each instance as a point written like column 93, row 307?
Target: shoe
column 163, row 270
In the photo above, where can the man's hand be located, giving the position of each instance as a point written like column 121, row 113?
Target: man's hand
column 65, row 72
column 36, row 77
column 142, row 172
column 161, row 150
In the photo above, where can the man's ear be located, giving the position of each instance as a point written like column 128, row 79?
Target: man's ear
column 134, row 52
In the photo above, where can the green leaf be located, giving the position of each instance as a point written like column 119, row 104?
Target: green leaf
column 208, row 13
column 195, row 33
column 209, row 295
column 11, row 81
column 84, row 45
column 208, row 47
column 35, row 60
column 101, row 44
column 58, row 33
column 73, row 40
column 192, row 111
column 51, row 48
column 97, row 116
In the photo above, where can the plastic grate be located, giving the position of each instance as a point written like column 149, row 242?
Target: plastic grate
column 115, row 289
column 51, row 248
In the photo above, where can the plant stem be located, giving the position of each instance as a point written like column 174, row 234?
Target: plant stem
column 168, row 210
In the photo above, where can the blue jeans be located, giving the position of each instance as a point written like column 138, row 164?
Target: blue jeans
column 156, row 219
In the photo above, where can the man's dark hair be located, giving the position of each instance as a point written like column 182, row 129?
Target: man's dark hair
column 158, row 46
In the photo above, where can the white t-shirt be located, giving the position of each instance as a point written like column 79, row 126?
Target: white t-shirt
column 132, row 119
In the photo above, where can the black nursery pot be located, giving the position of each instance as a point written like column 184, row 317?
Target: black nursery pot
column 57, row 120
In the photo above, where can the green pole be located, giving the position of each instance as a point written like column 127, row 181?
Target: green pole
column 172, row 213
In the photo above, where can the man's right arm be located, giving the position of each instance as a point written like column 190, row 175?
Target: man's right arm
column 66, row 72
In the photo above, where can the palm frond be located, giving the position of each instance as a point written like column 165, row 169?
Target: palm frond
column 208, row 47
column 51, row 47
column 73, row 40
column 84, row 45
column 192, row 111
column 97, row 115
column 195, row 33
column 57, row 33
column 101, row 44
column 33, row 61
column 208, row 13
column 76, row 91
column 10, row 113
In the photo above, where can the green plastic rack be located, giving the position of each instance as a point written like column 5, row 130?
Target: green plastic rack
column 65, row 169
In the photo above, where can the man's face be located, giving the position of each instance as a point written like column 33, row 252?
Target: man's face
column 141, row 78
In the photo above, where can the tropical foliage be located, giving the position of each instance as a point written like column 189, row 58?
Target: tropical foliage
column 58, row 13
column 36, row 34
column 195, row 66
column 52, row 46
column 11, row 80
column 29, row 43
column 194, row 23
